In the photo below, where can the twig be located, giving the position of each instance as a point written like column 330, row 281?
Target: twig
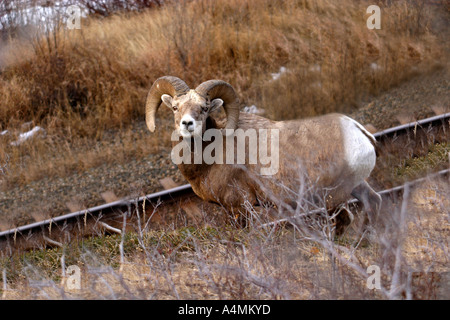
column 109, row 228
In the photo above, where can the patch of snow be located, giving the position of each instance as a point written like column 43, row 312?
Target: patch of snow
column 276, row 76
column 28, row 135
column 45, row 17
column 374, row 66
column 4, row 132
column 253, row 109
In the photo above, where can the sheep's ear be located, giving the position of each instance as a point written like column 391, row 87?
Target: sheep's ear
column 215, row 104
column 167, row 100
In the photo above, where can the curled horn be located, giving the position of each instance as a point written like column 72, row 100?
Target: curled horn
column 165, row 85
column 220, row 89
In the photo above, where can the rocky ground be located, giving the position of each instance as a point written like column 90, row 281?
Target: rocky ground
column 418, row 98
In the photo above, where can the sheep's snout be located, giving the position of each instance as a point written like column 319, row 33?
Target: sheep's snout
column 189, row 126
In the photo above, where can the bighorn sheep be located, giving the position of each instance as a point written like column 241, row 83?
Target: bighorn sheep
column 333, row 153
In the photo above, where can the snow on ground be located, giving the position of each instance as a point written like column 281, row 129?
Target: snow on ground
column 43, row 17
column 253, row 109
column 277, row 75
column 28, row 135
column 374, row 66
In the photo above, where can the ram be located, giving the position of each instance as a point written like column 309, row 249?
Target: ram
column 327, row 157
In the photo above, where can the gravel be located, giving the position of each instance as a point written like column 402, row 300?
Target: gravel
column 413, row 100
column 51, row 197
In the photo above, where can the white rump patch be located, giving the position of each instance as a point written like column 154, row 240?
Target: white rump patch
column 359, row 151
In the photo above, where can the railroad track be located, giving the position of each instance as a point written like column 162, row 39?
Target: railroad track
column 109, row 217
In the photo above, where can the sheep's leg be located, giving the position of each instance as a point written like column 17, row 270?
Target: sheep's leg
column 369, row 198
column 343, row 220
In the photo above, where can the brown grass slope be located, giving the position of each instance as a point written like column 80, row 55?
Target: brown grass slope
column 87, row 89
column 100, row 74
column 79, row 83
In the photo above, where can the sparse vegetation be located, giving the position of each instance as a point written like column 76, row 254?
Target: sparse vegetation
column 298, row 260
column 438, row 157
column 87, row 89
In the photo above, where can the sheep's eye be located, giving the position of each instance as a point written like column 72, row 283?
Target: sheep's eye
column 204, row 109
column 175, row 108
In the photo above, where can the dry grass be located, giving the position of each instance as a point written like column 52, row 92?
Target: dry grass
column 209, row 260
column 79, row 83
column 87, row 89
column 54, row 156
column 426, row 241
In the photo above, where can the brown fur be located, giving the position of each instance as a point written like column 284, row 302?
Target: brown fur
column 310, row 154
column 312, row 165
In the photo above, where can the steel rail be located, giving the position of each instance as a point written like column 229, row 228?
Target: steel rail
column 124, row 203
column 177, row 192
column 384, row 193
column 413, row 125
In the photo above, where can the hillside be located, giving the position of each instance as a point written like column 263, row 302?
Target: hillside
column 73, row 135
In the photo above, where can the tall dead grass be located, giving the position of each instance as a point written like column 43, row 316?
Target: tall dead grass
column 97, row 77
column 79, row 83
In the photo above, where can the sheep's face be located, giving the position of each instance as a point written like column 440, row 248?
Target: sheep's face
column 190, row 112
